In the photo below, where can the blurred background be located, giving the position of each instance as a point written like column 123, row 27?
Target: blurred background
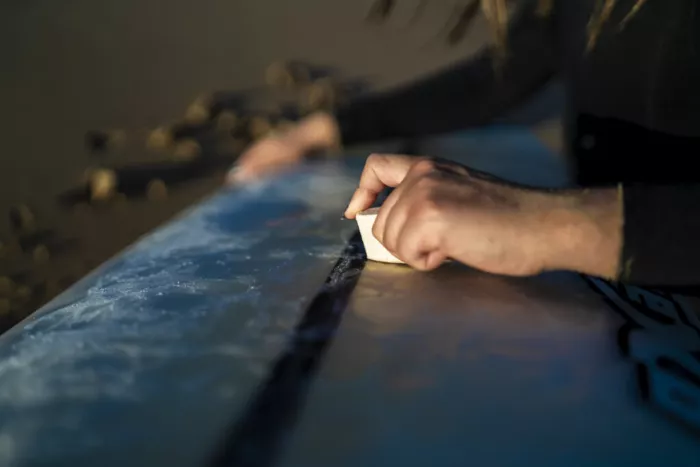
column 90, row 91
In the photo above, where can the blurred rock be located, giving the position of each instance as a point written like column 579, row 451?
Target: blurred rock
column 199, row 111
column 5, row 306
column 41, row 255
column 102, row 184
column 156, row 190
column 322, row 94
column 23, row 293
column 226, row 121
column 7, row 286
column 259, row 127
column 286, row 75
column 159, row 139
column 22, row 219
column 186, row 150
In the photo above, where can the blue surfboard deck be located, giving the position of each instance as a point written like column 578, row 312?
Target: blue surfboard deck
column 186, row 350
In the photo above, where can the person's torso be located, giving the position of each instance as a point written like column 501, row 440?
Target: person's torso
column 634, row 99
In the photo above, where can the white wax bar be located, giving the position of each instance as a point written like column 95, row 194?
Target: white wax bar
column 375, row 250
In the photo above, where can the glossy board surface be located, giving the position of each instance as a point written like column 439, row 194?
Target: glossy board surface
column 155, row 356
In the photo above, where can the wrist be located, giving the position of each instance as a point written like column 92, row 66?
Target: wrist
column 319, row 131
column 583, row 231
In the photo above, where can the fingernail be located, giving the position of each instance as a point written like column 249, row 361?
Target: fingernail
column 350, row 209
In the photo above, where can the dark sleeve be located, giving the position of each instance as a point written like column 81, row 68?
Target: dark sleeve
column 661, row 235
column 468, row 94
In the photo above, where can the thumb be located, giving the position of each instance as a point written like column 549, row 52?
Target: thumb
column 381, row 171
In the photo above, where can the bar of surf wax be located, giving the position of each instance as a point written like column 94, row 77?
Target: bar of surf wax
column 375, row 250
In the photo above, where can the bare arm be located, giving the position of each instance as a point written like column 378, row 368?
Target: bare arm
column 467, row 94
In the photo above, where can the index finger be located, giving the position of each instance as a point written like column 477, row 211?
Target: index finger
column 381, row 171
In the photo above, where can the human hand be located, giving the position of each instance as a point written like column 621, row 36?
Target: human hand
column 277, row 152
column 443, row 210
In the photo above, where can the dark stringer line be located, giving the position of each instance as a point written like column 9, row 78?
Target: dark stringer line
column 258, row 436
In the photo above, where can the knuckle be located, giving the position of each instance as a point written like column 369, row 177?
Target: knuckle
column 427, row 192
column 426, row 184
column 405, row 251
column 427, row 207
column 374, row 159
column 424, row 165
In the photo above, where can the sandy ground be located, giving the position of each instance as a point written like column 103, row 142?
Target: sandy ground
column 72, row 66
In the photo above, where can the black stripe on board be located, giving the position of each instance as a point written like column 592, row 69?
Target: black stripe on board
column 257, row 437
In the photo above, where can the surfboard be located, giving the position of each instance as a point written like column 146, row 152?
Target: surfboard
column 251, row 330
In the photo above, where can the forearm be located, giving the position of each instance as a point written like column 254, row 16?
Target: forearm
column 645, row 234
column 581, row 230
